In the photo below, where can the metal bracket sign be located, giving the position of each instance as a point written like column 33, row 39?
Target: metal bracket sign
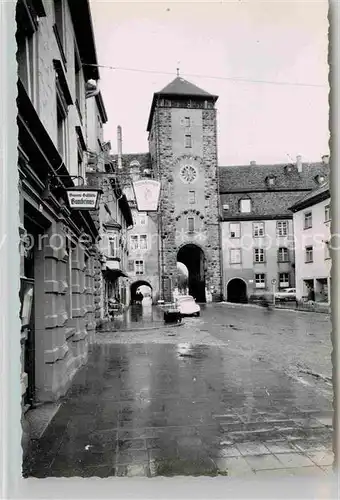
column 147, row 193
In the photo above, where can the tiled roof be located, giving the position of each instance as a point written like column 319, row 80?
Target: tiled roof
column 268, row 201
column 253, row 178
column 180, row 86
column 270, row 205
column 318, row 194
column 143, row 159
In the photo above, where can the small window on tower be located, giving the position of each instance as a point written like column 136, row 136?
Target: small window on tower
column 187, row 121
column 191, row 224
column 192, row 197
column 188, row 141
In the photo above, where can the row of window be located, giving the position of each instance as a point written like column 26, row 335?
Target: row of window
column 308, row 217
column 261, row 280
column 258, row 229
column 235, row 255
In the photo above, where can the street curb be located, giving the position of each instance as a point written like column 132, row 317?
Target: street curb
column 276, row 308
column 159, row 327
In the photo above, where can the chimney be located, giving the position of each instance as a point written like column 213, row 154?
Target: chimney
column 299, row 163
column 119, row 146
column 325, row 159
column 253, row 163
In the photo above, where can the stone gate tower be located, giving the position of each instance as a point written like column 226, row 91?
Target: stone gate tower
column 183, row 148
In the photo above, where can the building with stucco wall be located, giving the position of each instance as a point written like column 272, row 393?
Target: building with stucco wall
column 57, row 264
column 312, row 221
column 257, row 225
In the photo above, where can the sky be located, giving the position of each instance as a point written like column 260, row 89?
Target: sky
column 228, row 48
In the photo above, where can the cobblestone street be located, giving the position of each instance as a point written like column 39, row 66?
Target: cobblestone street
column 238, row 391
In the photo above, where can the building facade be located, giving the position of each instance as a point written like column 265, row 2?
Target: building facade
column 312, row 220
column 257, row 225
column 57, row 263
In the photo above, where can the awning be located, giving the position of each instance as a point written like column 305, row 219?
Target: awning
column 113, row 274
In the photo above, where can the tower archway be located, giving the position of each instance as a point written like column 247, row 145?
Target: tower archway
column 237, row 291
column 192, row 256
column 142, row 286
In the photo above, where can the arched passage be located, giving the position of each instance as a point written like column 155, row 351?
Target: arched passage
column 237, row 291
column 192, row 256
column 145, row 287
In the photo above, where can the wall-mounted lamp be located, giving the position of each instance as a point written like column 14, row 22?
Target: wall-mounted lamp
column 79, row 197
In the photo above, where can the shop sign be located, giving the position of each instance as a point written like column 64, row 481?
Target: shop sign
column 83, row 199
column 147, row 193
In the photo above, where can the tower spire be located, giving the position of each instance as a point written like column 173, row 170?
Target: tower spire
column 177, row 69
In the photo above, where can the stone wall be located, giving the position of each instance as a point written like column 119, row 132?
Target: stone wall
column 167, row 147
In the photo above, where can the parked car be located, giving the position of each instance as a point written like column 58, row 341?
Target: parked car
column 287, row 294
column 188, row 306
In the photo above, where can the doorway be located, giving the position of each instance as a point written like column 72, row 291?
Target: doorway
column 192, row 256
column 237, row 291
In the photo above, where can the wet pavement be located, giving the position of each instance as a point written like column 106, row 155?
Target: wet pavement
column 218, row 395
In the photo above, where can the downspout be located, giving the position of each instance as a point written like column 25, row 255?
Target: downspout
column 160, row 218
column 220, row 240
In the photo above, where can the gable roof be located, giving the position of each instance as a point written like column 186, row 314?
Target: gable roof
column 245, row 178
column 319, row 194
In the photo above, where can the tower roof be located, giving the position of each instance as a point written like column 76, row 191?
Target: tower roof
column 180, row 87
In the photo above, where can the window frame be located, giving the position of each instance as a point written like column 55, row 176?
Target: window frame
column 139, row 262
column 259, row 251
column 261, row 224
column 239, row 230
column 113, row 249
column 281, row 281
column 133, row 237
column 59, row 27
column 258, row 284
column 231, row 250
column 327, row 210
column 327, row 253
column 191, row 230
column 188, row 141
column 192, row 196
column 243, row 200
column 62, row 135
column 280, row 224
column 143, row 237
column 28, row 73
column 285, row 257
column 79, row 85
column 308, row 219
column 309, row 250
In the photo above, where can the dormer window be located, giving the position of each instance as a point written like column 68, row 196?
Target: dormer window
column 288, row 168
column 245, row 205
column 319, row 179
column 135, row 163
column 270, row 180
